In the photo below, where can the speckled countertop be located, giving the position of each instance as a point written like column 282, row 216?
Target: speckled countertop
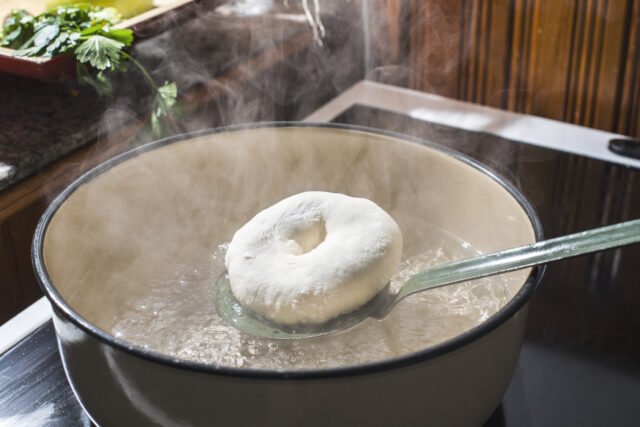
column 42, row 122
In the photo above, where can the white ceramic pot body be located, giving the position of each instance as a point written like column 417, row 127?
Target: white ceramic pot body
column 459, row 382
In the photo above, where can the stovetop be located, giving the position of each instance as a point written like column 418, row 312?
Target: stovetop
column 580, row 363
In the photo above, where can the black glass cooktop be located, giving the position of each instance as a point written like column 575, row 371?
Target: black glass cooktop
column 580, row 363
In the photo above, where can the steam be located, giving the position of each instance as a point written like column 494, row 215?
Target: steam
column 233, row 64
column 231, row 68
column 252, row 61
column 172, row 207
column 314, row 20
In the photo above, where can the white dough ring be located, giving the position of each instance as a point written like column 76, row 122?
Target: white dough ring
column 313, row 256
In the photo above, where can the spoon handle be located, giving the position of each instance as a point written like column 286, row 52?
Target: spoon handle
column 524, row 256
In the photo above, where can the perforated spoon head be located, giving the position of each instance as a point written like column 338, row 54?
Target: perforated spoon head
column 248, row 321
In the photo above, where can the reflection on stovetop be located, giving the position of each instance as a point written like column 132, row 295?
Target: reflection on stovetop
column 580, row 361
column 34, row 390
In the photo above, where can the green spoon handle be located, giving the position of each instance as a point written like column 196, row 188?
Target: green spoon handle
column 524, row 256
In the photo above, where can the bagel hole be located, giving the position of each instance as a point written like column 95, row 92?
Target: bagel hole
column 309, row 238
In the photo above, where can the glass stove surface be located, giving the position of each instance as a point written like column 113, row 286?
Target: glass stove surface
column 580, row 364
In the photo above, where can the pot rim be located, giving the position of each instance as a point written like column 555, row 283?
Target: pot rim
column 467, row 337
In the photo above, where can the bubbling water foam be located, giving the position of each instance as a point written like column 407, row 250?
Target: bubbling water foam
column 178, row 318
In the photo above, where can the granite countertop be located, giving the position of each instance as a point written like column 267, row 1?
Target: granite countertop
column 42, row 122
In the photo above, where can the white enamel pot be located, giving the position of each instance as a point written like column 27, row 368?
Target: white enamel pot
column 200, row 188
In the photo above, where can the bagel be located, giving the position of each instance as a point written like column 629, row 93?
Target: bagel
column 312, row 257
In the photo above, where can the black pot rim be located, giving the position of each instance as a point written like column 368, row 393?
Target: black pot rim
column 61, row 308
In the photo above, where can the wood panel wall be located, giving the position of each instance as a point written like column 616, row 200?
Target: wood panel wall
column 569, row 60
column 572, row 60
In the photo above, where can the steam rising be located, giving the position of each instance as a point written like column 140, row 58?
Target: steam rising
column 314, row 20
column 233, row 64
column 135, row 251
column 158, row 224
column 250, row 61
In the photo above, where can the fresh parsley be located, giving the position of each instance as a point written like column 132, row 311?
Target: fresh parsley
column 86, row 32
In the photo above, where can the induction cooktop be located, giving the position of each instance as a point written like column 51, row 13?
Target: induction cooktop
column 580, row 362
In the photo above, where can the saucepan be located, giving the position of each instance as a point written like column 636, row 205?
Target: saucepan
column 108, row 241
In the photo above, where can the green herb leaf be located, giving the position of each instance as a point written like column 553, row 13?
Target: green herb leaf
column 17, row 29
column 100, row 83
column 157, row 127
column 100, row 51
column 14, row 37
column 57, row 45
column 74, row 37
column 92, row 30
column 166, row 95
column 43, row 35
column 17, row 18
column 84, row 31
column 123, row 35
column 165, row 104
column 79, row 15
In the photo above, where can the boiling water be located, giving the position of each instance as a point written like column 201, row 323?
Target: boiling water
column 178, row 318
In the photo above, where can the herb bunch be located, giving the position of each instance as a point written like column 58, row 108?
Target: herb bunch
column 86, row 33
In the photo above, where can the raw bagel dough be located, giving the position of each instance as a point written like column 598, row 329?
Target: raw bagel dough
column 313, row 256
